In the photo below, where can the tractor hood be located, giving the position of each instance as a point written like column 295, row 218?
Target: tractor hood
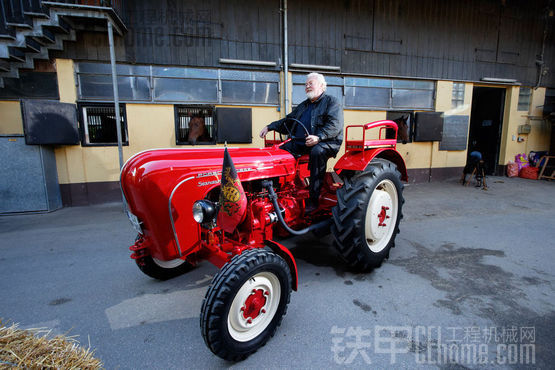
column 161, row 185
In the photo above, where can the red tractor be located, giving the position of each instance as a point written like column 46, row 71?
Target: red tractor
column 175, row 202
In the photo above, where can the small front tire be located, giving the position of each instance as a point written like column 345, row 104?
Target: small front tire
column 163, row 270
column 245, row 304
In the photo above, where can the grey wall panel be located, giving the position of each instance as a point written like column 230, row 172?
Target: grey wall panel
column 20, row 168
column 29, row 180
column 455, row 133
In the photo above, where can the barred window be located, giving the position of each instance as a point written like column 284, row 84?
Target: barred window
column 98, row 124
column 524, row 98
column 457, row 98
column 194, row 125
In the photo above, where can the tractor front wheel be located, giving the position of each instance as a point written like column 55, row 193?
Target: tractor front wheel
column 163, row 270
column 245, row 304
column 367, row 214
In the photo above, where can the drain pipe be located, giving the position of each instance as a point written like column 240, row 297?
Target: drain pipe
column 285, row 60
column 540, row 61
column 116, row 92
column 116, row 104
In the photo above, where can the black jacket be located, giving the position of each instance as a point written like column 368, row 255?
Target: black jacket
column 326, row 120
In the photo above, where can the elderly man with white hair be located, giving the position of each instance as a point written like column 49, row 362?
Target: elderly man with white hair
column 322, row 118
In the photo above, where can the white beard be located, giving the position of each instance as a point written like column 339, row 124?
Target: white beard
column 312, row 94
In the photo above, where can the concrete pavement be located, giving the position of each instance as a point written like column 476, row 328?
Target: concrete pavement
column 470, row 283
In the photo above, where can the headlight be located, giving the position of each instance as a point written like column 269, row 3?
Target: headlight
column 204, row 211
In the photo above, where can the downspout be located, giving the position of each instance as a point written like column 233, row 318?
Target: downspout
column 116, row 103
column 285, row 60
column 539, row 61
column 116, row 92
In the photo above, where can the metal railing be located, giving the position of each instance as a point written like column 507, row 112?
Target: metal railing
column 20, row 13
column 117, row 6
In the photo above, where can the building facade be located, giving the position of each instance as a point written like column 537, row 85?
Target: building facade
column 483, row 69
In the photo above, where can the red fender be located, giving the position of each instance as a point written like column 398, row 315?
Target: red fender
column 288, row 257
column 358, row 160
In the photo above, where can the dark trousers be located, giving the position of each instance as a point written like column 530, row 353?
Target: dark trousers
column 319, row 155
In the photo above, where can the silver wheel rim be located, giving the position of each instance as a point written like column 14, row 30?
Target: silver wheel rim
column 168, row 264
column 381, row 216
column 241, row 326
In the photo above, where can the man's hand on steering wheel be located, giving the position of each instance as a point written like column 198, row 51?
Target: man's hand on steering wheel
column 312, row 140
column 264, row 131
column 291, row 130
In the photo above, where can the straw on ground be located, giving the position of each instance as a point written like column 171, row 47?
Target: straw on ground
column 33, row 348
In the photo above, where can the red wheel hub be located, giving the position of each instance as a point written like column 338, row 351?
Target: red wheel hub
column 254, row 303
column 382, row 216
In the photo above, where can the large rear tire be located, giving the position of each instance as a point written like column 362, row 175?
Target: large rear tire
column 367, row 215
column 245, row 304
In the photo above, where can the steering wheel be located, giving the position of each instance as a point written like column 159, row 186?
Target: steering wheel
column 291, row 130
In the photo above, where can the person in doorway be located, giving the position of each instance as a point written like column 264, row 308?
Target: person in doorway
column 321, row 132
column 475, row 166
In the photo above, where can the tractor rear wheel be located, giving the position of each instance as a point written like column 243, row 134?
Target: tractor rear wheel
column 367, row 214
column 245, row 304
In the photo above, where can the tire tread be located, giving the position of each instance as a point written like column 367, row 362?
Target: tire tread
column 213, row 309
column 350, row 210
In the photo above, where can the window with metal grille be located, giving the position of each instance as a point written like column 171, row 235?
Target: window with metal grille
column 98, row 125
column 457, row 98
column 194, row 125
column 524, row 98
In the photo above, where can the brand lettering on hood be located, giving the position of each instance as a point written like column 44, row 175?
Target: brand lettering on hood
column 218, row 173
